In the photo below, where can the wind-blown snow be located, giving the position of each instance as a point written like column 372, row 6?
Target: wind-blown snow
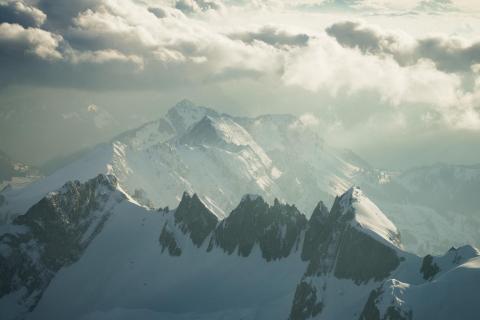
column 369, row 218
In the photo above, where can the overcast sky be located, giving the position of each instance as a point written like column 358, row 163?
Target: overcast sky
column 396, row 81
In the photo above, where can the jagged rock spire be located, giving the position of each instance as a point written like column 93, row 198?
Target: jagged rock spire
column 194, row 218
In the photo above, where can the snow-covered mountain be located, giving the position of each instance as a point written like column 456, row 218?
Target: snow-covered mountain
column 90, row 251
column 219, row 157
column 199, row 150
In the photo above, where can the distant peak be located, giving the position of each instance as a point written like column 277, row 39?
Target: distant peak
column 185, row 114
column 320, row 213
column 216, row 131
column 187, row 198
column 184, row 104
column 206, row 121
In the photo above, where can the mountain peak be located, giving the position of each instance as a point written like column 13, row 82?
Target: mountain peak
column 320, row 214
column 365, row 216
column 184, row 104
column 185, row 114
column 193, row 218
column 217, row 131
column 107, row 180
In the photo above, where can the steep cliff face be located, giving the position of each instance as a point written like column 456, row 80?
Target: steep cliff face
column 192, row 218
column 195, row 219
column 52, row 234
column 275, row 229
column 353, row 241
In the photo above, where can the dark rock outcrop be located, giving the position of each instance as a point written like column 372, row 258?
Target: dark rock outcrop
column 52, row 234
column 194, row 219
column 276, row 229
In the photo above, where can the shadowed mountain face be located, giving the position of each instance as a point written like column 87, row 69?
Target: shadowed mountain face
column 53, row 234
column 89, row 251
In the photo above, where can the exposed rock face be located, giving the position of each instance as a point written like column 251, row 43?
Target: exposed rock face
column 371, row 311
column 194, row 218
column 52, row 234
column 317, row 231
column 382, row 306
column 305, row 303
column 276, row 229
column 429, row 268
column 334, row 246
column 361, row 258
column 168, row 241
column 331, row 241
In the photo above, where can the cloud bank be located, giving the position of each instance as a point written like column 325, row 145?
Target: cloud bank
column 159, row 45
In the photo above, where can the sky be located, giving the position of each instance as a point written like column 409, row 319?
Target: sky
column 398, row 82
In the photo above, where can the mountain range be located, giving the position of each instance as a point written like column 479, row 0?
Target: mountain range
column 191, row 216
column 90, row 251
column 221, row 157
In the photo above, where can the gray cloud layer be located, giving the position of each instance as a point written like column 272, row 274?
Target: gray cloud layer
column 21, row 13
column 273, row 36
column 448, row 54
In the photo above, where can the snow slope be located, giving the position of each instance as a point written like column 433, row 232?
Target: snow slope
column 124, row 268
column 369, row 217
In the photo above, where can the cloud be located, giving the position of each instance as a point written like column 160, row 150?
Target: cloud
column 327, row 66
column 134, row 30
column 450, row 54
column 158, row 12
column 21, row 13
column 104, row 56
column 92, row 108
column 192, row 6
column 168, row 45
column 101, row 117
column 434, row 6
column 394, row 7
column 309, row 120
column 272, row 35
column 37, row 42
